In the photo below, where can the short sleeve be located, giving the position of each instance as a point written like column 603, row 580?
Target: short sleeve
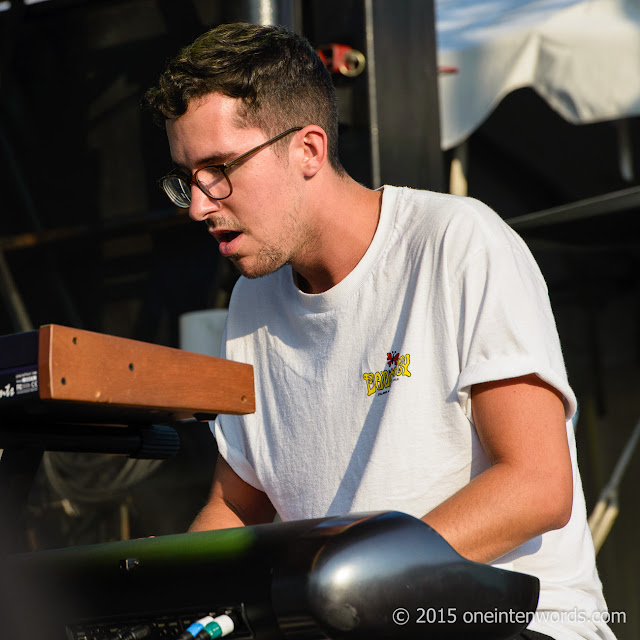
column 229, row 434
column 231, row 448
column 505, row 325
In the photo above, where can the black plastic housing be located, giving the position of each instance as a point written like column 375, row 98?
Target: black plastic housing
column 380, row 575
column 390, row 575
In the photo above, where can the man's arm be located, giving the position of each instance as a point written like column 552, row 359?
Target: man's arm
column 232, row 502
column 529, row 488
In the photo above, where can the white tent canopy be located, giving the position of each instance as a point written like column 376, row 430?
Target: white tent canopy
column 581, row 56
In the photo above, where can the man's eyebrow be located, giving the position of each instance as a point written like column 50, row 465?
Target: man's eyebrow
column 215, row 158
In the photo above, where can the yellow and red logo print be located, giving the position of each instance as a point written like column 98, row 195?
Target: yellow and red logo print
column 380, row 381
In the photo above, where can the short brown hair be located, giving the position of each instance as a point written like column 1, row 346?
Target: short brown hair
column 278, row 76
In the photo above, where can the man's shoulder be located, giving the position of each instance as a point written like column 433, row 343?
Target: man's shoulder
column 422, row 213
column 440, row 206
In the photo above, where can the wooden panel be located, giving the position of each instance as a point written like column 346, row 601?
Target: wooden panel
column 92, row 368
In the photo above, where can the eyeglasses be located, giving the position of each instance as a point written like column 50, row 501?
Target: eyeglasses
column 212, row 180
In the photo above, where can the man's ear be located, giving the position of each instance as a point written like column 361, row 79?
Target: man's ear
column 314, row 148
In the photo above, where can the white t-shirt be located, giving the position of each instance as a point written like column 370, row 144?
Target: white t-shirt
column 363, row 392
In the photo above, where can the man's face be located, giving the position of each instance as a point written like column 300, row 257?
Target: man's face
column 259, row 226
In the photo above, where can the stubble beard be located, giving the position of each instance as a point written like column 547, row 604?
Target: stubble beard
column 268, row 260
column 270, row 257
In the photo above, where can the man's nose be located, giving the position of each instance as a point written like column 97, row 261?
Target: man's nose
column 201, row 204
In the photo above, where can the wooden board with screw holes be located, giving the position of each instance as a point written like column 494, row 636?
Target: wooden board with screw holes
column 86, row 367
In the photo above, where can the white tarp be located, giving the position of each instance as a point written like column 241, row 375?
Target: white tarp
column 581, row 56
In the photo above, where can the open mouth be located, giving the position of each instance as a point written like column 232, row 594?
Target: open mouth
column 228, row 236
column 228, row 242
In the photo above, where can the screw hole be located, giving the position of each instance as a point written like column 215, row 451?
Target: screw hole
column 131, row 366
column 75, row 340
column 63, row 380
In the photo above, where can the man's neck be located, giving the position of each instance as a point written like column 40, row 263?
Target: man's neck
column 345, row 225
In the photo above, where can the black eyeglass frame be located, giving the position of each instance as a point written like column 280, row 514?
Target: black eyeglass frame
column 220, row 167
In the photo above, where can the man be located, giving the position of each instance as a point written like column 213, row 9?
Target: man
column 404, row 349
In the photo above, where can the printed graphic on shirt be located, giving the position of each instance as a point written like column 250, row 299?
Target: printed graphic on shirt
column 380, row 381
